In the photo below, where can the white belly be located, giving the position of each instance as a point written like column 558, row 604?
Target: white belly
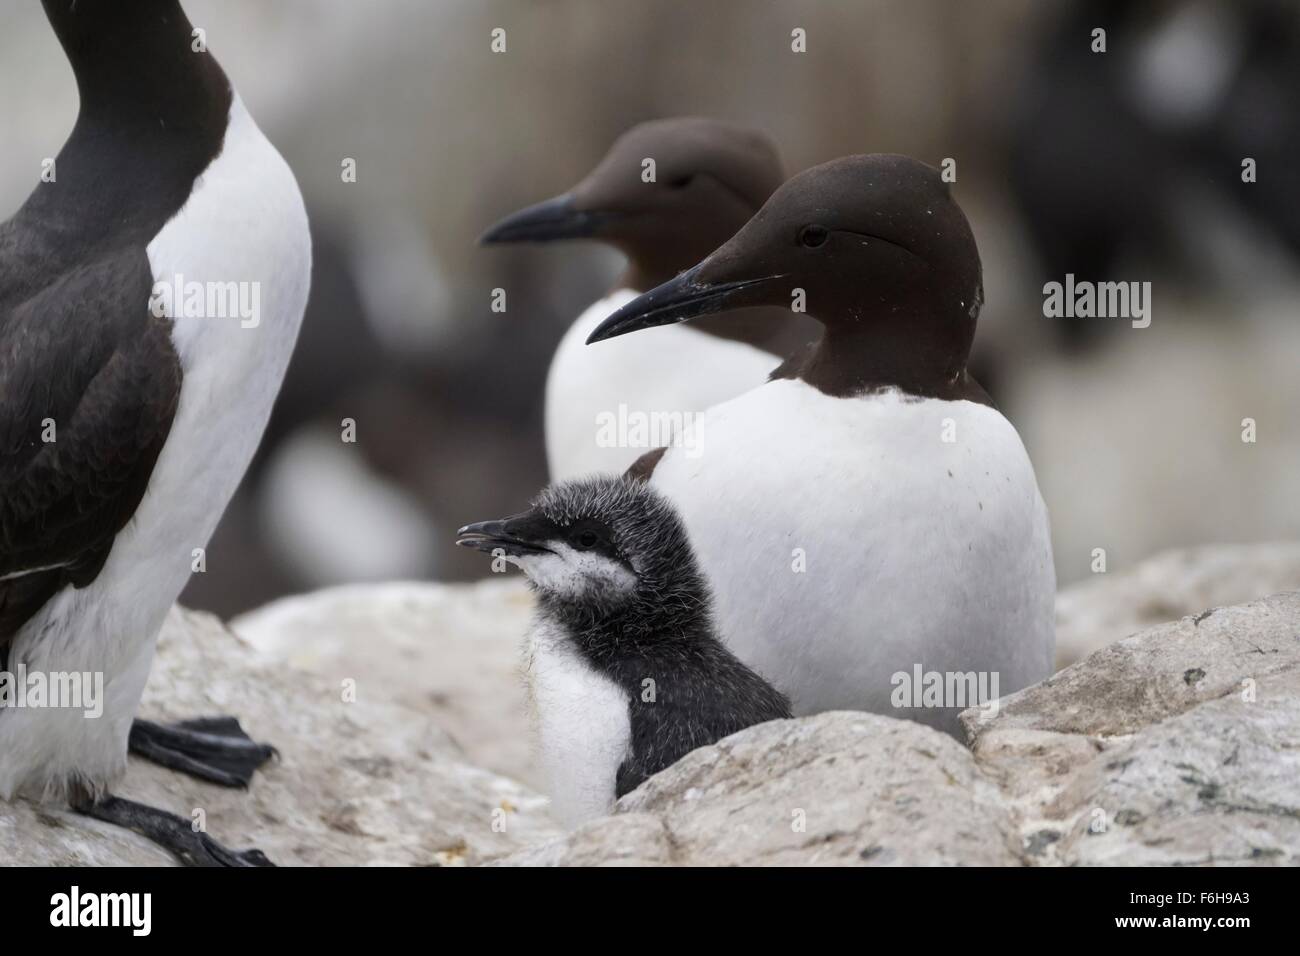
column 915, row 551
column 676, row 370
column 582, row 726
column 244, row 222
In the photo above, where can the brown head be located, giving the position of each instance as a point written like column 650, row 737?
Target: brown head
column 709, row 178
column 882, row 256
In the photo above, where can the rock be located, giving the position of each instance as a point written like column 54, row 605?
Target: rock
column 1217, row 784
column 630, row 839
column 1161, row 672
column 366, row 783
column 1179, row 745
column 836, row 789
column 1107, row 607
column 451, row 651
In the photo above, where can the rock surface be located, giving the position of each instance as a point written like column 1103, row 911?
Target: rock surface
column 370, row 782
column 449, row 651
column 835, row 789
column 1177, row 745
column 1107, row 607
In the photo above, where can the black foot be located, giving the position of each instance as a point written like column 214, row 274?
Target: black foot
column 215, row 749
column 170, row 832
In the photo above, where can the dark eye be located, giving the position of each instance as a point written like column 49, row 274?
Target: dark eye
column 681, row 182
column 587, row 539
column 813, row 236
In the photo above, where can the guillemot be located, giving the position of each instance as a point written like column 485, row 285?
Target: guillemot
column 868, row 509
column 626, row 672
column 127, row 421
column 709, row 178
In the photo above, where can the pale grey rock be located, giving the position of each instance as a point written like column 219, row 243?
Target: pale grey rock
column 451, row 651
column 626, row 839
column 1104, row 608
column 1160, row 672
column 1219, row 784
column 372, row 782
column 831, row 790
column 1179, row 745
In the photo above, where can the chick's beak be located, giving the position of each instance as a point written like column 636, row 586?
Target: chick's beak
column 511, row 535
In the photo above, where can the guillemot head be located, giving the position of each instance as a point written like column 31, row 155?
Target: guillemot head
column 596, row 545
column 710, row 177
column 874, row 247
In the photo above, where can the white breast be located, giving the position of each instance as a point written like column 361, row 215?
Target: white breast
column 244, row 222
column 914, row 550
column 583, row 729
column 677, row 370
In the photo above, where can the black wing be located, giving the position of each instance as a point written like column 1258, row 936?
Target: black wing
column 84, row 361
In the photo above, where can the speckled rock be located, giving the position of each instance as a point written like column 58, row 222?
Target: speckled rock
column 1107, row 607
column 449, row 650
column 370, row 782
column 1219, row 784
column 836, row 789
column 1179, row 745
column 1159, row 673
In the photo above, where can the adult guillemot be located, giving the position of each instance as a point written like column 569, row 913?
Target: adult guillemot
column 626, row 672
column 127, row 424
column 710, row 177
column 868, row 509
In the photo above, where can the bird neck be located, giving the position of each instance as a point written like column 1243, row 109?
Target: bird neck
column 918, row 354
column 139, row 66
column 153, row 115
column 641, row 629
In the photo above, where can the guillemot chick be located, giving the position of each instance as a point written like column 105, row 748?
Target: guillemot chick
column 868, row 511
column 626, row 672
column 709, row 178
column 150, row 297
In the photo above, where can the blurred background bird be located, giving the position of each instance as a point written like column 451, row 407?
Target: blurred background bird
column 1127, row 164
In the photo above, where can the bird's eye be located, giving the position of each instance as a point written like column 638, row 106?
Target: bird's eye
column 681, row 182
column 587, row 539
column 813, row 236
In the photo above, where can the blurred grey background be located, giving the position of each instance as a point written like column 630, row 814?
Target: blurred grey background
column 1117, row 166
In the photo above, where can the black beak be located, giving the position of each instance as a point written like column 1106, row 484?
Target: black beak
column 504, row 534
column 554, row 219
column 679, row 299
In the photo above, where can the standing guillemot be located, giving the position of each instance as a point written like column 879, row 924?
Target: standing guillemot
column 710, row 177
column 626, row 672
column 125, row 426
column 868, row 509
